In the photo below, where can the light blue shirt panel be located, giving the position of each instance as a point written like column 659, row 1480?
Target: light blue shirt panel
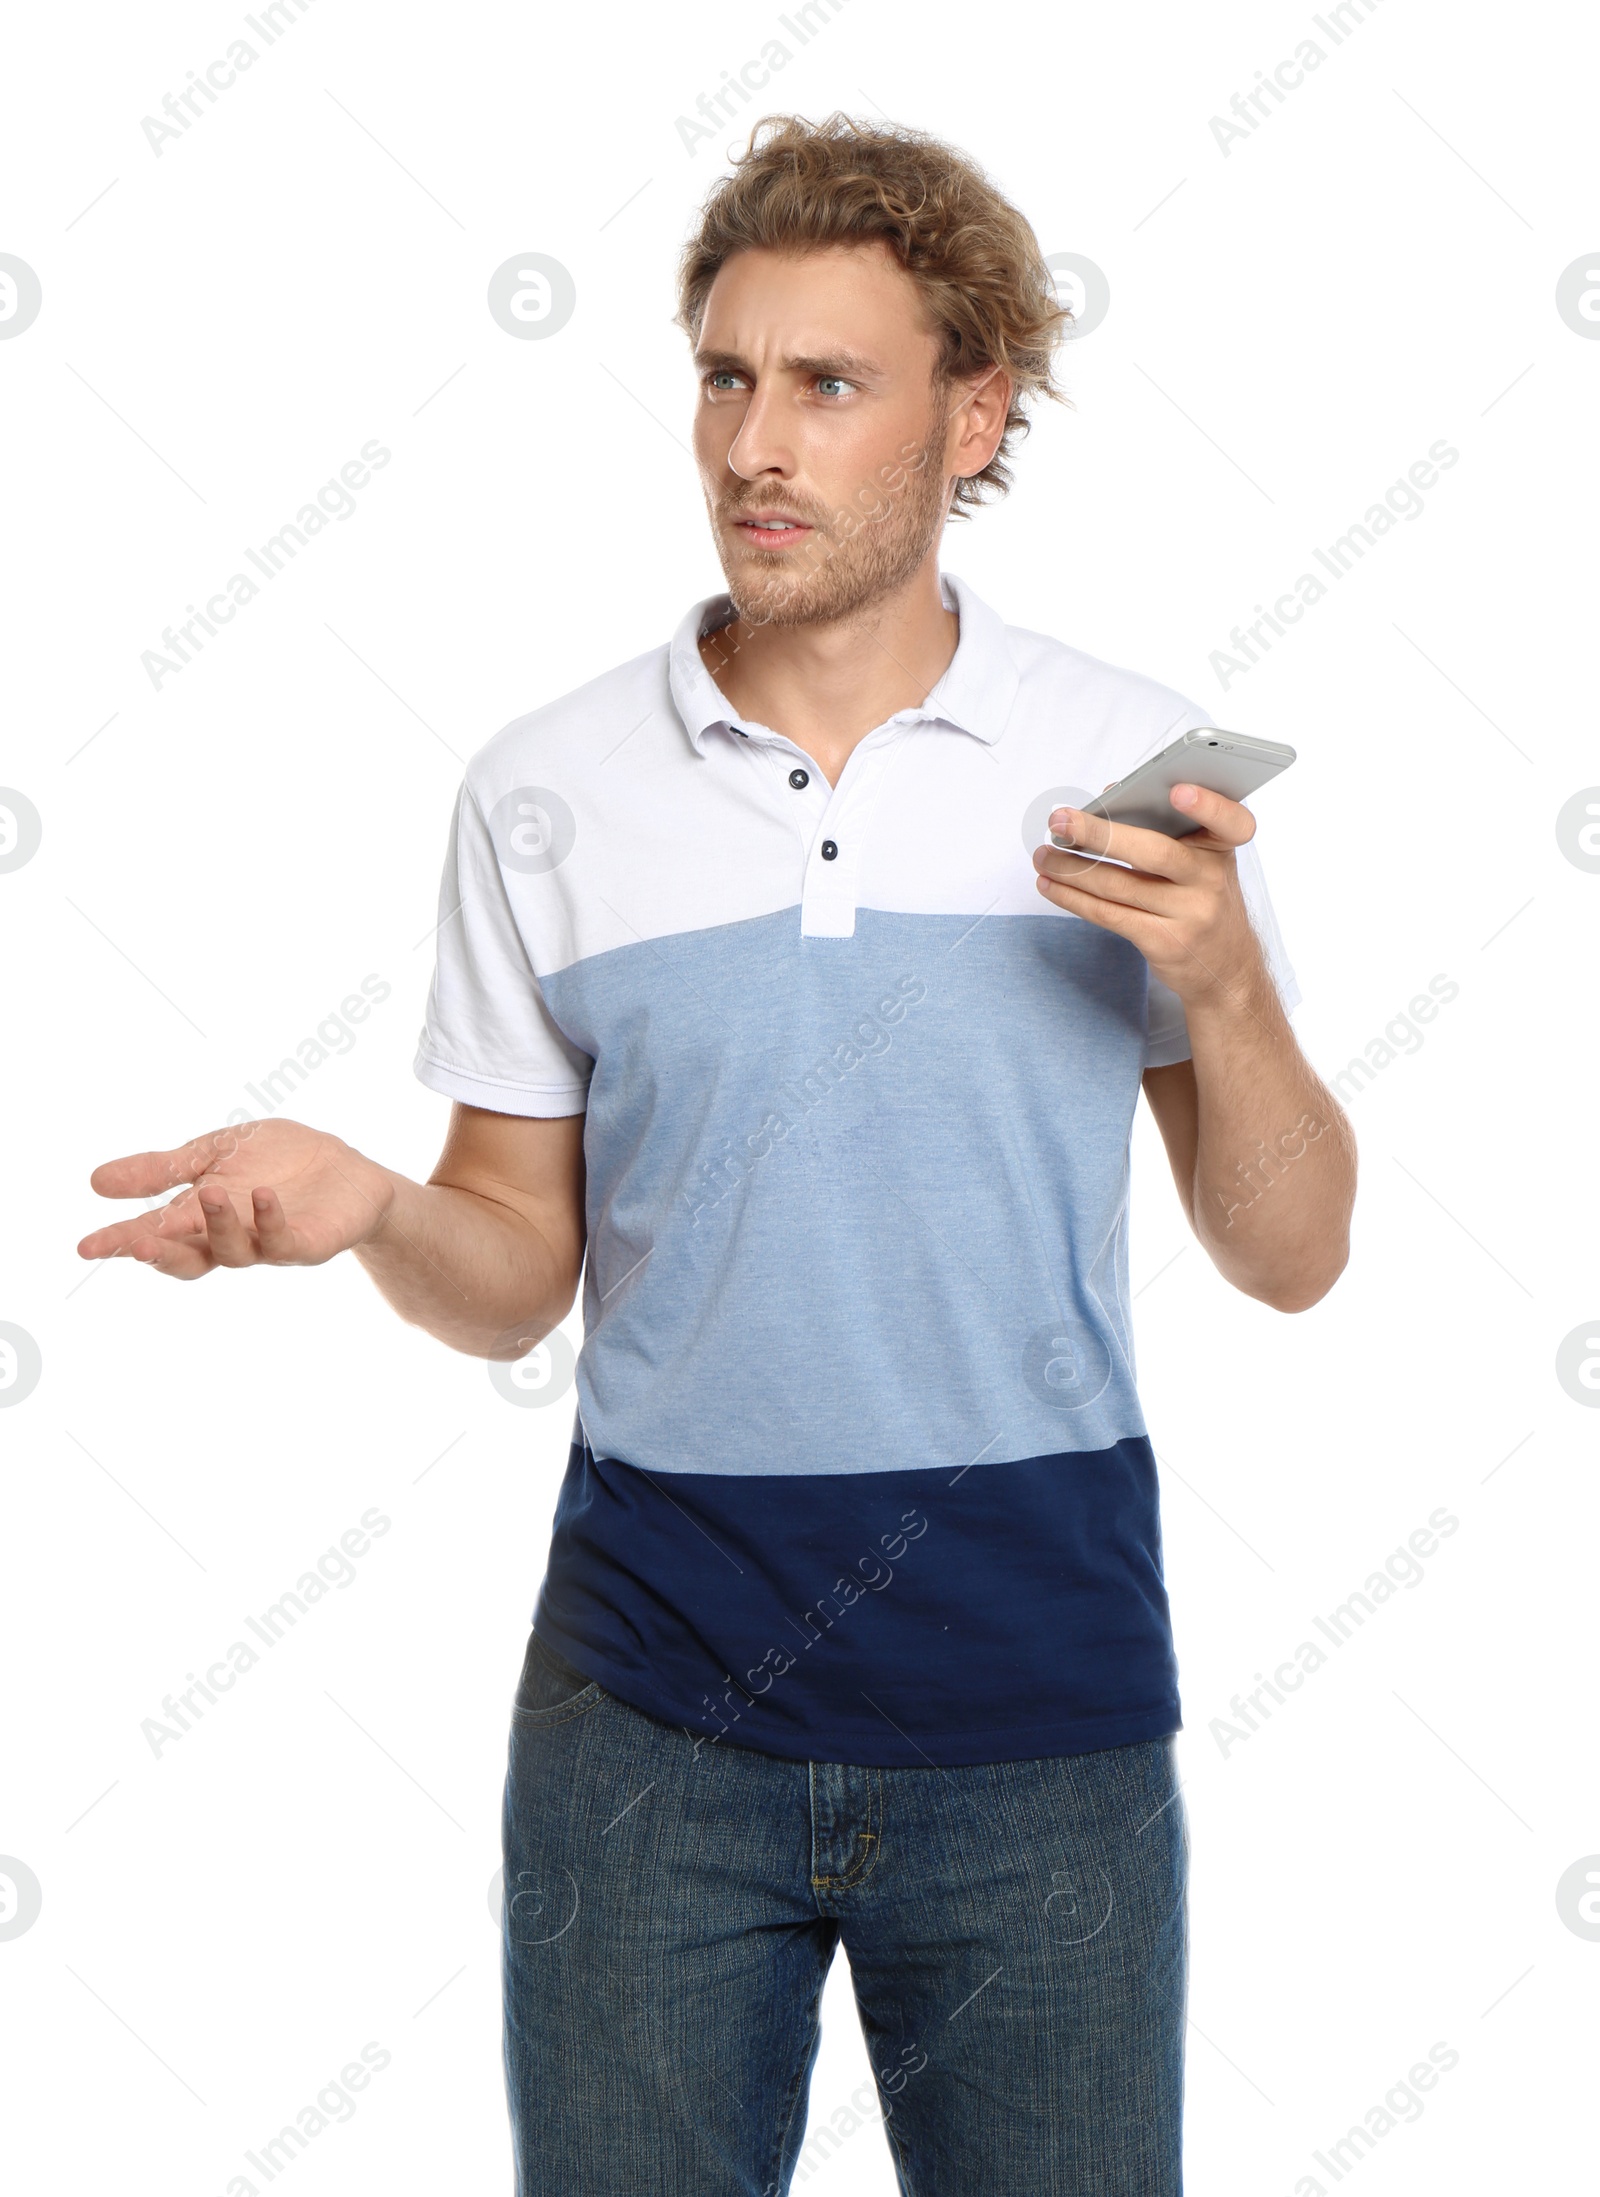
column 919, row 1254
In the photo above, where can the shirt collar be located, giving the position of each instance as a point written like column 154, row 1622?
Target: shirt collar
column 975, row 694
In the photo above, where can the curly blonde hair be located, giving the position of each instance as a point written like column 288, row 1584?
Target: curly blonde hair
column 801, row 186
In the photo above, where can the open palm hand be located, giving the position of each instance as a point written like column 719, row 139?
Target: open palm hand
column 268, row 1193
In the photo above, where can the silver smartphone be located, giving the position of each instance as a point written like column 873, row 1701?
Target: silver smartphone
column 1231, row 763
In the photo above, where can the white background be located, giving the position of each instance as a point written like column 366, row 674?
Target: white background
column 1292, row 325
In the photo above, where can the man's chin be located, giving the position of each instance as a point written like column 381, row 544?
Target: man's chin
column 778, row 597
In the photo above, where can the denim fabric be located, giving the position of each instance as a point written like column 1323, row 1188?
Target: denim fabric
column 1016, row 1932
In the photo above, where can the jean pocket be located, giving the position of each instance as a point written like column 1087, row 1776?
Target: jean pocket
column 550, row 1689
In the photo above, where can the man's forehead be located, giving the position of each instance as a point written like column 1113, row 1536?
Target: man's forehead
column 792, row 308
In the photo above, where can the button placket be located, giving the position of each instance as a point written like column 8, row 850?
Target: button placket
column 830, row 821
column 828, row 900
column 801, row 787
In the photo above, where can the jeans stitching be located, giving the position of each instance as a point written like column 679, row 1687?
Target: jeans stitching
column 872, row 1839
column 580, row 1705
column 588, row 1696
column 770, row 2182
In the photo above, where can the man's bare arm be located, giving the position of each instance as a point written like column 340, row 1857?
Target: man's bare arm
column 1264, row 1161
column 1262, row 1154
column 485, row 1255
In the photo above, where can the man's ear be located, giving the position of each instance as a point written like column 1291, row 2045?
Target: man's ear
column 988, row 397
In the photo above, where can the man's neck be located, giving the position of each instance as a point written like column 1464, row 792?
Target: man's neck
column 826, row 686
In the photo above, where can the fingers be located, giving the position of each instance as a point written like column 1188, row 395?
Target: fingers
column 273, row 1232
column 139, row 1175
column 1226, row 825
column 1229, row 821
column 227, row 1239
column 184, row 1258
column 171, row 1240
column 1136, row 924
column 147, row 1174
column 1158, row 854
column 170, row 1222
column 185, row 1239
column 201, row 1230
column 1133, row 888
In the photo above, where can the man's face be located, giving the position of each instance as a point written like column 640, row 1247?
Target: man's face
column 817, row 406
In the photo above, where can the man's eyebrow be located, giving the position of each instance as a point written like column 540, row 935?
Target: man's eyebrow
column 853, row 365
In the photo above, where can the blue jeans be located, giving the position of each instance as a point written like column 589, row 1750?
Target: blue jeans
column 1017, row 1936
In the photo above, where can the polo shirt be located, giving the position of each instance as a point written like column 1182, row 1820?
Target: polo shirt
column 858, row 1468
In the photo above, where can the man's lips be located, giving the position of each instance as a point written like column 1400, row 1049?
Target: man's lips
column 770, row 525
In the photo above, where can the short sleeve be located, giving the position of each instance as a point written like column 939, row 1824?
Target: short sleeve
column 489, row 1039
column 1167, row 1034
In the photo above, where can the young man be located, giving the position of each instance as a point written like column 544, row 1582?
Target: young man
column 760, row 989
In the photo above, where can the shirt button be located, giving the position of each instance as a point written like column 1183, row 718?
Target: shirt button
column 829, row 850
column 799, row 779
